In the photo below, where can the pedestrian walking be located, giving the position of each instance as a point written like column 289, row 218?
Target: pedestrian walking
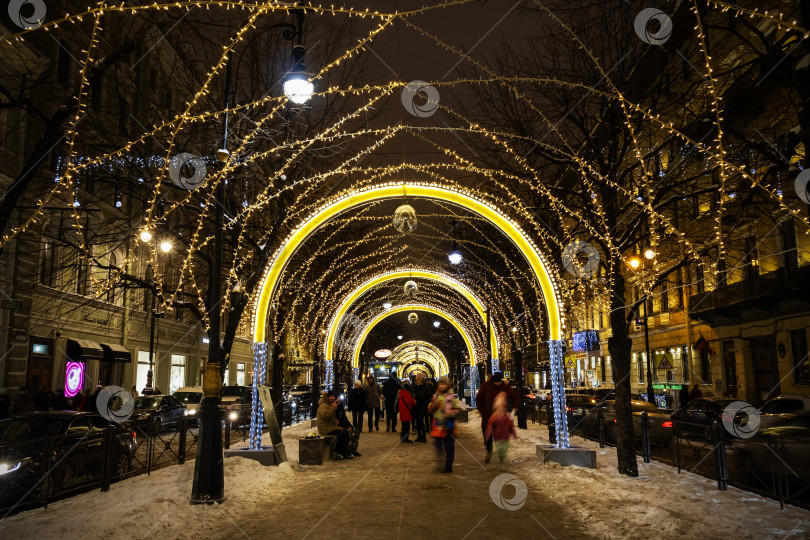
column 390, row 389
column 695, row 393
column 501, row 427
column 484, row 401
column 357, row 404
column 444, row 406
column 683, row 395
column 373, row 402
column 406, row 406
column 421, row 393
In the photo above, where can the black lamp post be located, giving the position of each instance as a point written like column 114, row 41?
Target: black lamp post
column 638, row 263
column 209, row 473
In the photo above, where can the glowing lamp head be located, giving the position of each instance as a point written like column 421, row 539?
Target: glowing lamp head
column 649, row 253
column 387, row 305
column 635, row 263
column 165, row 246
column 455, row 257
column 146, row 235
column 437, row 324
column 399, row 337
column 297, row 87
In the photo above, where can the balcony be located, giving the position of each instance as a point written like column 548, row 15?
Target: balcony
column 769, row 295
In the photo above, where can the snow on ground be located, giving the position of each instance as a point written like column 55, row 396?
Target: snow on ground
column 659, row 503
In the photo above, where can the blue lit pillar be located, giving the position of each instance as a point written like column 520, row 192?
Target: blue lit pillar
column 330, row 374
column 555, row 348
column 473, row 383
column 494, row 366
column 256, row 410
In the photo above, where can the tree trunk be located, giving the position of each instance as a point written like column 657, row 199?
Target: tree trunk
column 619, row 345
column 277, row 383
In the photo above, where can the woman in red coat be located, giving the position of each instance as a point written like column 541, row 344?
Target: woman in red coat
column 406, row 406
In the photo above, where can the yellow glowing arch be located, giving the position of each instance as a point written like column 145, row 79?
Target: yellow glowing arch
column 392, row 190
column 413, row 307
column 331, row 333
column 405, row 353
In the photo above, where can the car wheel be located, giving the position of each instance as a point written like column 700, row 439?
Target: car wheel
column 121, row 465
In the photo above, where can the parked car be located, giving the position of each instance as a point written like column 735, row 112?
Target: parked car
column 789, row 440
column 156, row 412
column 775, row 409
column 237, row 402
column 190, row 396
column 660, row 423
column 77, row 453
column 578, row 405
column 608, row 394
column 300, row 391
column 697, row 416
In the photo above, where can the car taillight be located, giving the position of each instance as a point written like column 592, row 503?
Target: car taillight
column 134, row 434
column 668, row 423
column 614, row 421
column 569, row 409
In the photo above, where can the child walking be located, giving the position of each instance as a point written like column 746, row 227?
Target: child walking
column 500, row 427
column 444, row 406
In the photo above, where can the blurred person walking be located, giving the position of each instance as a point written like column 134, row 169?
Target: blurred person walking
column 444, row 407
column 484, row 401
column 501, row 427
column 357, row 404
column 421, row 393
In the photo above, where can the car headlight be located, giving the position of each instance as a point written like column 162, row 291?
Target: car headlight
column 6, row 468
column 234, row 415
column 190, row 411
column 294, row 404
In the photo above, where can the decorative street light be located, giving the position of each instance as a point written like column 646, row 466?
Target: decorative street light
column 636, row 263
column 146, row 235
column 437, row 324
column 387, row 305
column 166, row 246
column 455, row 256
column 297, row 86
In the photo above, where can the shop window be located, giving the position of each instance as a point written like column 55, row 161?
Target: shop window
column 177, row 378
column 143, row 369
column 112, row 262
column 602, row 369
column 801, row 369
column 685, row 363
column 240, row 374
column 637, row 358
column 705, row 366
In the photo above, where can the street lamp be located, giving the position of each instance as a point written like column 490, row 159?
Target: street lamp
column 387, row 305
column 146, row 235
column 166, row 246
column 637, row 263
column 455, row 256
column 297, row 86
column 436, row 324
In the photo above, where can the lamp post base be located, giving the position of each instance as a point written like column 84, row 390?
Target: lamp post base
column 209, row 470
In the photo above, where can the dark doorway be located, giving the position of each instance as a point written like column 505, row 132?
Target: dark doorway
column 40, row 364
column 106, row 373
column 730, row 368
column 766, row 372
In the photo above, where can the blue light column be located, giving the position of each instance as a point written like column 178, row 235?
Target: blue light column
column 256, row 410
column 555, row 348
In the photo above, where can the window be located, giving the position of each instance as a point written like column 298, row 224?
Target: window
column 801, row 369
column 81, row 275
column 705, row 366
column 46, row 267
column 701, row 284
column 240, row 374
column 685, row 363
column 603, row 369
column 147, row 294
column 791, row 261
column 143, row 368
column 112, row 272
column 177, row 378
column 637, row 358
column 751, row 258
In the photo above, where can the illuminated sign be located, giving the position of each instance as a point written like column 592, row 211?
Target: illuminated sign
column 40, row 348
column 587, row 340
column 74, row 376
column 383, row 353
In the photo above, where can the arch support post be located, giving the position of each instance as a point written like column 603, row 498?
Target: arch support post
column 555, row 348
column 256, row 409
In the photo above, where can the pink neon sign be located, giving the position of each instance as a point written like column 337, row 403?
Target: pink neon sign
column 74, row 375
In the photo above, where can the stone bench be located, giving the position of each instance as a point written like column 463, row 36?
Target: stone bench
column 315, row 451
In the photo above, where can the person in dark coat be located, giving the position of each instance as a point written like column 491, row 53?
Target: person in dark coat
column 59, row 401
column 22, row 402
column 91, row 405
column 390, row 389
column 422, row 394
column 683, row 395
column 695, row 393
column 343, row 422
column 357, row 404
column 41, row 399
column 5, row 404
column 485, row 399
column 327, row 424
column 373, row 402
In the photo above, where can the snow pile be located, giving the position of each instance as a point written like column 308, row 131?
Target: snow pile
column 659, row 503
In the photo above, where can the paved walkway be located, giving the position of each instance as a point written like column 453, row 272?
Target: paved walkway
column 394, row 491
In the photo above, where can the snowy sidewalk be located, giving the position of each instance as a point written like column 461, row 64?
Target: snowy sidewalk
column 393, row 491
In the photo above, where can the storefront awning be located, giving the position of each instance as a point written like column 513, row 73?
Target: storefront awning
column 116, row 353
column 82, row 350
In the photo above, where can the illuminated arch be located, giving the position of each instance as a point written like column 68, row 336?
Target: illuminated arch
column 392, row 190
column 445, row 279
column 410, row 368
column 405, row 354
column 412, row 307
